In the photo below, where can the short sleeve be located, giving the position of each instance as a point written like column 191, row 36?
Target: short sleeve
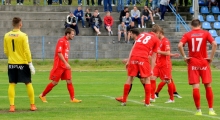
column 156, row 45
column 59, row 47
column 184, row 39
column 167, row 45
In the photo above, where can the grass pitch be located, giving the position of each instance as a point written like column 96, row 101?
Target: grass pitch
column 97, row 89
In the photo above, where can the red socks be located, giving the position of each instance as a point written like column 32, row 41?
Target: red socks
column 170, row 90
column 47, row 89
column 160, row 86
column 196, row 97
column 174, row 86
column 209, row 96
column 126, row 91
column 147, row 93
column 153, row 88
column 71, row 90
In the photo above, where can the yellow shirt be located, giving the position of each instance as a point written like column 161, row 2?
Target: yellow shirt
column 16, row 47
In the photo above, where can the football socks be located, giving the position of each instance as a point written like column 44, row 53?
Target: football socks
column 147, row 93
column 30, row 91
column 126, row 91
column 48, row 89
column 209, row 96
column 153, row 88
column 170, row 90
column 71, row 90
column 196, row 97
column 11, row 93
column 160, row 86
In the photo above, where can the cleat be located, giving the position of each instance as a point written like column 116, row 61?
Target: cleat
column 148, row 105
column 152, row 100
column 212, row 112
column 123, row 104
column 75, row 100
column 119, row 99
column 170, row 101
column 177, row 95
column 12, row 108
column 33, row 107
column 198, row 113
column 43, row 99
column 156, row 95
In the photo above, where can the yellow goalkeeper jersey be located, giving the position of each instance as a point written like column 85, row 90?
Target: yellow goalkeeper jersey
column 16, row 47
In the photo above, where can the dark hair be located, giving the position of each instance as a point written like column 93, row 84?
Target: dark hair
column 156, row 28
column 195, row 23
column 125, row 8
column 16, row 21
column 69, row 30
column 135, row 31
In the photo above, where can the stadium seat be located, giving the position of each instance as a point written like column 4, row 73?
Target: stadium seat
column 202, row 3
column 206, row 25
column 217, row 40
column 201, row 18
column 210, row 18
column 217, row 25
column 204, row 10
column 218, row 17
column 215, row 10
column 191, row 10
column 213, row 33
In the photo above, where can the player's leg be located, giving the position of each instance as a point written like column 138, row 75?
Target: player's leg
column 170, row 91
column 30, row 91
column 175, row 93
column 153, row 87
column 159, row 88
column 147, row 91
column 127, row 88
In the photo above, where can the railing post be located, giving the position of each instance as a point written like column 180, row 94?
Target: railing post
column 96, row 48
column 45, row 1
column 43, row 41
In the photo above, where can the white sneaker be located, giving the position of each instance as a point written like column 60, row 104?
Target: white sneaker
column 21, row 4
column 158, row 15
column 170, row 101
column 153, row 23
column 143, row 27
column 113, row 5
column 177, row 95
column 111, row 32
column 154, row 15
column 148, row 105
column 18, row 4
column 162, row 19
column 152, row 100
column 139, row 26
column 123, row 104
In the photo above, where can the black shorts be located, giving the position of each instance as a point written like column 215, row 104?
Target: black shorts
column 19, row 73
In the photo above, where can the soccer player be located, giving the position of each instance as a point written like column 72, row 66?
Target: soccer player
column 198, row 62
column 61, row 68
column 138, row 61
column 163, row 67
column 20, row 67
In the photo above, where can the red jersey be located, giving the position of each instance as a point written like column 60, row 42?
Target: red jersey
column 63, row 47
column 144, row 44
column 163, row 60
column 108, row 20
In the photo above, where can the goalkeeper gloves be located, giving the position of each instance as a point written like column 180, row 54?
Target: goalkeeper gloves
column 31, row 68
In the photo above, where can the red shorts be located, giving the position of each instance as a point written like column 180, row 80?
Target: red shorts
column 195, row 72
column 164, row 73
column 139, row 65
column 60, row 73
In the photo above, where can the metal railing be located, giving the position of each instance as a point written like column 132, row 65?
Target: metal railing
column 179, row 20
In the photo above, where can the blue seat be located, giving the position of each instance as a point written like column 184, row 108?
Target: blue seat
column 206, row 25
column 217, row 25
column 191, row 10
column 204, row 10
column 217, row 40
column 218, row 17
column 210, row 18
column 215, row 10
column 201, row 19
column 213, row 33
column 202, row 3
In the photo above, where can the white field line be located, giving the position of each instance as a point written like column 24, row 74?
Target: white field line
column 169, row 108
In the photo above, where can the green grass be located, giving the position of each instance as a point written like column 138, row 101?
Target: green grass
column 97, row 89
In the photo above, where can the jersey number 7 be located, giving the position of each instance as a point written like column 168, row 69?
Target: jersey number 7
column 199, row 44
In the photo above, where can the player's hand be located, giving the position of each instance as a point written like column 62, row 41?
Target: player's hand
column 176, row 55
column 209, row 60
column 32, row 69
column 186, row 59
column 124, row 61
column 68, row 66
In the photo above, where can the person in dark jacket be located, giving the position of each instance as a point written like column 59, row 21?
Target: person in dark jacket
column 71, row 21
column 123, row 13
column 79, row 14
column 96, row 22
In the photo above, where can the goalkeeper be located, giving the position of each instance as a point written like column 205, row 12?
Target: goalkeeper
column 20, row 67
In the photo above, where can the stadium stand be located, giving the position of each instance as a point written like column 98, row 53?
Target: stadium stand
column 216, row 25
column 213, row 33
column 210, row 18
column 204, row 10
column 215, row 10
column 201, row 18
column 217, row 39
column 206, row 25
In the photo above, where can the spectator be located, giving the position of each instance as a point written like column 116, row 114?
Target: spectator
column 123, row 13
column 108, row 22
column 146, row 15
column 120, row 6
column 79, row 2
column 8, row 2
column 69, row 2
column 99, row 2
column 133, row 2
column 93, row 3
column 127, row 19
column 135, row 15
column 108, row 5
column 131, row 26
column 97, row 11
column 155, row 8
column 163, row 8
column 113, row 2
column 96, row 22
column 20, row 2
column 185, row 1
column 122, row 31
column 212, row 3
column 36, row 2
column 71, row 21
column 49, row 2
column 79, row 14
column 88, row 15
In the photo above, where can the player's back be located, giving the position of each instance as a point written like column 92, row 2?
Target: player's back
column 16, row 47
column 145, row 43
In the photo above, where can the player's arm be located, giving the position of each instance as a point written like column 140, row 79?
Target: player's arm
column 60, row 55
column 164, row 52
column 153, row 60
column 214, row 46
column 5, row 47
column 174, row 54
column 182, row 52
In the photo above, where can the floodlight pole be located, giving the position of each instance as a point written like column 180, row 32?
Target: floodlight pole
column 196, row 9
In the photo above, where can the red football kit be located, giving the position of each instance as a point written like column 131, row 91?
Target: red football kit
column 198, row 66
column 139, row 56
column 163, row 63
column 59, row 70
